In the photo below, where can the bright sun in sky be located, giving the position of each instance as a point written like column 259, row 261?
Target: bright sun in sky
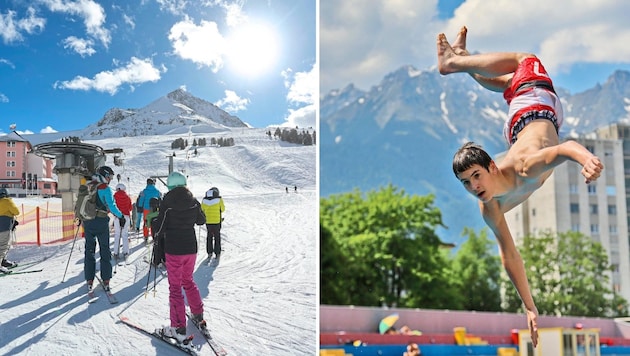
column 252, row 49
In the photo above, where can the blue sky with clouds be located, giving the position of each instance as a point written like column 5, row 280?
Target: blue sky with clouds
column 581, row 43
column 64, row 63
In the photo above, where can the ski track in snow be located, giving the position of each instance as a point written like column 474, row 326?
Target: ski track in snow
column 260, row 299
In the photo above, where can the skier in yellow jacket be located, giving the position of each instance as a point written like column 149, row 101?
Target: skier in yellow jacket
column 8, row 212
column 213, row 206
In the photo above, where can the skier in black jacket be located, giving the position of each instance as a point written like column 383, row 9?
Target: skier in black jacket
column 179, row 213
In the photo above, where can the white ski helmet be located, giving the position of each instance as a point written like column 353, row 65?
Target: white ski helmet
column 121, row 186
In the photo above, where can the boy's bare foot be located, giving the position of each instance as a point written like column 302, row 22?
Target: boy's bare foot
column 459, row 46
column 445, row 53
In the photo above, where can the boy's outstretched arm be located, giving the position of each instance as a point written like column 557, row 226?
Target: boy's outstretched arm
column 549, row 157
column 512, row 262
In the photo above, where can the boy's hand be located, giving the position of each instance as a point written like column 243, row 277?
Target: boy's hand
column 592, row 169
column 532, row 323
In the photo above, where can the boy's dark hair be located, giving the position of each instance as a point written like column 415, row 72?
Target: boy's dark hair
column 468, row 155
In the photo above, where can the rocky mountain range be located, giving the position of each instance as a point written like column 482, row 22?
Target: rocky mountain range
column 171, row 112
column 405, row 130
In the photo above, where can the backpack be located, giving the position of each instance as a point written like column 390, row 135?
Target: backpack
column 139, row 207
column 87, row 205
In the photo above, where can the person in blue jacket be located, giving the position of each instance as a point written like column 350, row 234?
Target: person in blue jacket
column 98, row 229
column 150, row 191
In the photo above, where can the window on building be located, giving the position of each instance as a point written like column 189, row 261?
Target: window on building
column 611, row 190
column 575, row 208
column 573, row 188
column 613, row 230
column 10, row 143
column 534, row 212
column 575, row 227
column 612, row 209
column 592, row 189
column 593, row 209
column 594, row 228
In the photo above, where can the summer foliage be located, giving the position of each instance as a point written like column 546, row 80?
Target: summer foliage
column 381, row 249
column 569, row 275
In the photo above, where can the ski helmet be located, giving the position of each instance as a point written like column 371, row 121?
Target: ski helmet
column 121, row 186
column 4, row 193
column 175, row 179
column 154, row 203
column 106, row 172
column 150, row 181
column 212, row 192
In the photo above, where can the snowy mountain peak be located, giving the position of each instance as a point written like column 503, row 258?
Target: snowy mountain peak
column 175, row 112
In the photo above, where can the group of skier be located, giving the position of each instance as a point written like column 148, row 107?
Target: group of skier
column 173, row 217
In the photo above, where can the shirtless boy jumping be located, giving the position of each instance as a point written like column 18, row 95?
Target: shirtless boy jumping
column 534, row 119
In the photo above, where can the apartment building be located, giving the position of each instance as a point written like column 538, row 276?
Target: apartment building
column 21, row 171
column 600, row 209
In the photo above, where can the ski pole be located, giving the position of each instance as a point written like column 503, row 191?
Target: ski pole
column 71, row 249
column 146, row 290
column 118, row 245
column 154, row 282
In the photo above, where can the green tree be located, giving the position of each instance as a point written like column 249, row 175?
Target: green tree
column 479, row 272
column 332, row 264
column 392, row 253
column 568, row 275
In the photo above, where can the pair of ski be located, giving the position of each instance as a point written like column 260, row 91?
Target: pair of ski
column 22, row 268
column 185, row 346
column 218, row 350
column 110, row 296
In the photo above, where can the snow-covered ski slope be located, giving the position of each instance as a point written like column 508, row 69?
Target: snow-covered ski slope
column 259, row 300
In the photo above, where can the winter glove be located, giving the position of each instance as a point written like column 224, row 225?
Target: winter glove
column 122, row 221
column 15, row 224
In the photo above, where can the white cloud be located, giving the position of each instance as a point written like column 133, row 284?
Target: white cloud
column 232, row 103
column 136, row 72
column 79, row 45
column 362, row 41
column 3, row 98
column 10, row 28
column 7, row 62
column 176, row 7
column 234, row 15
column 92, row 13
column 302, row 86
column 302, row 117
column 47, row 129
column 201, row 44
column 129, row 20
column 302, row 94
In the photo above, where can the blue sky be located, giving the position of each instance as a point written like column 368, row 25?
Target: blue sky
column 580, row 43
column 64, row 63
